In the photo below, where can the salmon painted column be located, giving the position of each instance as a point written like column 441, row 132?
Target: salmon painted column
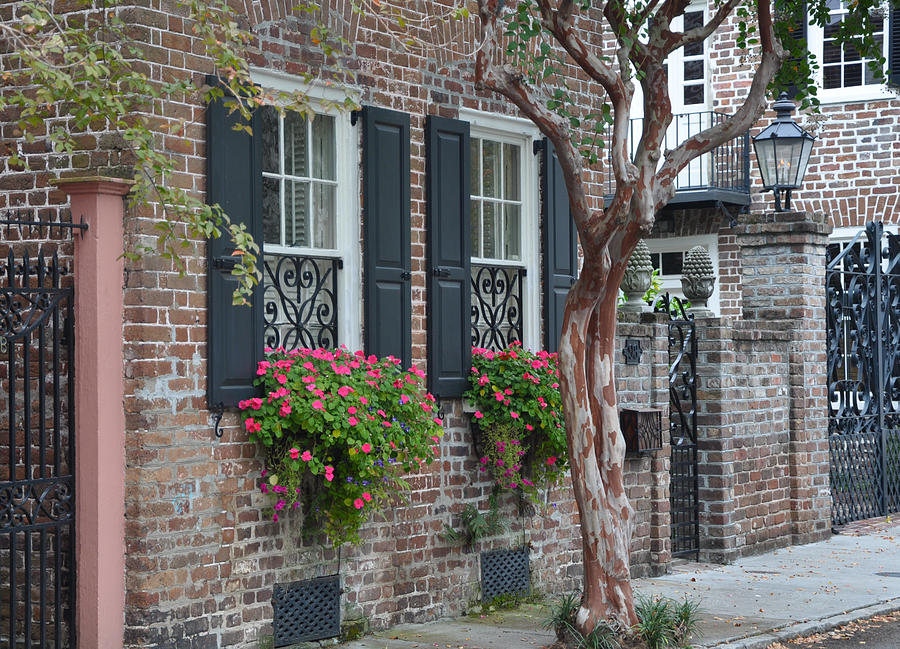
column 99, row 412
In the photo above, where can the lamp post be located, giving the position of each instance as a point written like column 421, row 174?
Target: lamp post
column 782, row 152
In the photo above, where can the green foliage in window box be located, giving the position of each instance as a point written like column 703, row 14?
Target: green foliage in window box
column 519, row 416
column 339, row 430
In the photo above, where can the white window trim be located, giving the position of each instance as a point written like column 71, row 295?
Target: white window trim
column 524, row 133
column 672, row 284
column 847, row 233
column 815, row 44
column 347, row 207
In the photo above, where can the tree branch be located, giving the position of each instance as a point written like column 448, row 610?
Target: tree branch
column 773, row 56
column 703, row 32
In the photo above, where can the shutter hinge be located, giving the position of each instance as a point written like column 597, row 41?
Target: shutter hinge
column 406, row 275
column 437, row 271
column 354, row 117
column 225, row 263
column 537, row 146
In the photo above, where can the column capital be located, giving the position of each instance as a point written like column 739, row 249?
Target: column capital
column 107, row 185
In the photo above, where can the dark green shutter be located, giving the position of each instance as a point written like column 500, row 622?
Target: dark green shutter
column 560, row 242
column 799, row 26
column 894, row 50
column 447, row 168
column 234, row 181
column 388, row 301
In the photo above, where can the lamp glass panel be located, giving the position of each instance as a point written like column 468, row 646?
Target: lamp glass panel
column 765, row 157
column 804, row 158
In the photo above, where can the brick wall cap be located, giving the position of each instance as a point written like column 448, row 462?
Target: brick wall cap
column 784, row 223
column 93, row 184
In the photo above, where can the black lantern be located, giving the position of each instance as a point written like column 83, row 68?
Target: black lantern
column 782, row 152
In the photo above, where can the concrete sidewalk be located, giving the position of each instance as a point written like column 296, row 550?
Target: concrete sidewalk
column 746, row 605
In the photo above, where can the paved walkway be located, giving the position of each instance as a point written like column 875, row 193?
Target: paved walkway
column 746, row 605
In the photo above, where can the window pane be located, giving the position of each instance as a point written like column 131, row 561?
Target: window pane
column 475, row 179
column 831, row 76
column 512, row 233
column 656, row 260
column 476, row 229
column 489, row 234
column 831, row 29
column 295, row 163
column 831, row 53
column 694, row 49
column 490, row 173
column 693, row 70
column 323, row 147
column 296, row 208
column 870, row 76
column 269, row 127
column 693, row 19
column 671, row 263
column 271, row 210
column 850, row 53
column 323, row 217
column 693, row 95
column 853, row 75
column 512, row 176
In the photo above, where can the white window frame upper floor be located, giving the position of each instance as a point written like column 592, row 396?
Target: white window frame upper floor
column 846, row 94
column 672, row 283
column 522, row 133
column 347, row 247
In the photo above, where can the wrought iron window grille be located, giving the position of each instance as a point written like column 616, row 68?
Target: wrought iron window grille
column 496, row 305
column 300, row 301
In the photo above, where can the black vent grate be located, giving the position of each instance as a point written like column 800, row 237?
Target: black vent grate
column 504, row 572
column 307, row 610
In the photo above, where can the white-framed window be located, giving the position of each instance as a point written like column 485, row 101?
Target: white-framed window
column 844, row 75
column 504, row 231
column 667, row 256
column 311, row 250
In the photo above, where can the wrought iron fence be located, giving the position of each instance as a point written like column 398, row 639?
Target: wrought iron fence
column 863, row 342
column 300, row 301
column 496, row 305
column 726, row 167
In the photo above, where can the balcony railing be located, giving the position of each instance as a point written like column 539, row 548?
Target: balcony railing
column 496, row 306
column 300, row 301
column 720, row 174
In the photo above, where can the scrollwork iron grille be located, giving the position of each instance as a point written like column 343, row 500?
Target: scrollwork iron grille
column 37, row 482
column 300, row 301
column 863, row 342
column 505, row 572
column 307, row 610
column 496, row 306
column 684, row 481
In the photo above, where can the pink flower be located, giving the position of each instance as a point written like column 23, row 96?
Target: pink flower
column 353, row 421
column 280, row 505
column 309, row 379
column 295, row 453
column 309, row 366
column 281, row 378
column 252, row 426
column 261, row 368
column 285, row 409
column 426, row 407
column 275, row 517
column 351, row 410
column 484, row 380
column 498, row 396
column 367, row 496
column 438, row 421
column 478, row 414
column 363, row 400
column 551, row 460
column 319, row 393
column 403, row 398
column 514, row 415
column 529, row 427
column 306, row 457
column 484, row 460
column 358, row 503
column 386, row 424
column 366, row 448
column 344, row 390
column 381, row 412
column 318, row 405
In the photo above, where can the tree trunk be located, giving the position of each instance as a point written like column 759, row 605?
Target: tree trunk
column 596, row 445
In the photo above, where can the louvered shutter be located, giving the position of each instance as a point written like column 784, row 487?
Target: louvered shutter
column 560, row 242
column 447, row 169
column 798, row 31
column 234, row 181
column 386, row 184
column 894, row 53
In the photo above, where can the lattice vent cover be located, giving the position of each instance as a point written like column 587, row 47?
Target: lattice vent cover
column 504, row 572
column 307, row 610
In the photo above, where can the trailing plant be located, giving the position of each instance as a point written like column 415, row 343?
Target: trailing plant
column 519, row 416
column 561, row 620
column 339, row 430
column 475, row 526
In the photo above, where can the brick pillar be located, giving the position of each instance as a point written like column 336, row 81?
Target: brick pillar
column 783, row 266
column 100, row 417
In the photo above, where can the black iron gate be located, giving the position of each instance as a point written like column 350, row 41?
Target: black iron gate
column 37, row 490
column 863, row 330
column 683, row 479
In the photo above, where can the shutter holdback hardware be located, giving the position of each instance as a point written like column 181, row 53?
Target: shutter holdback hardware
column 218, row 410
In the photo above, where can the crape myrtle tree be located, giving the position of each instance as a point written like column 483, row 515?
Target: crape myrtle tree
column 527, row 52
